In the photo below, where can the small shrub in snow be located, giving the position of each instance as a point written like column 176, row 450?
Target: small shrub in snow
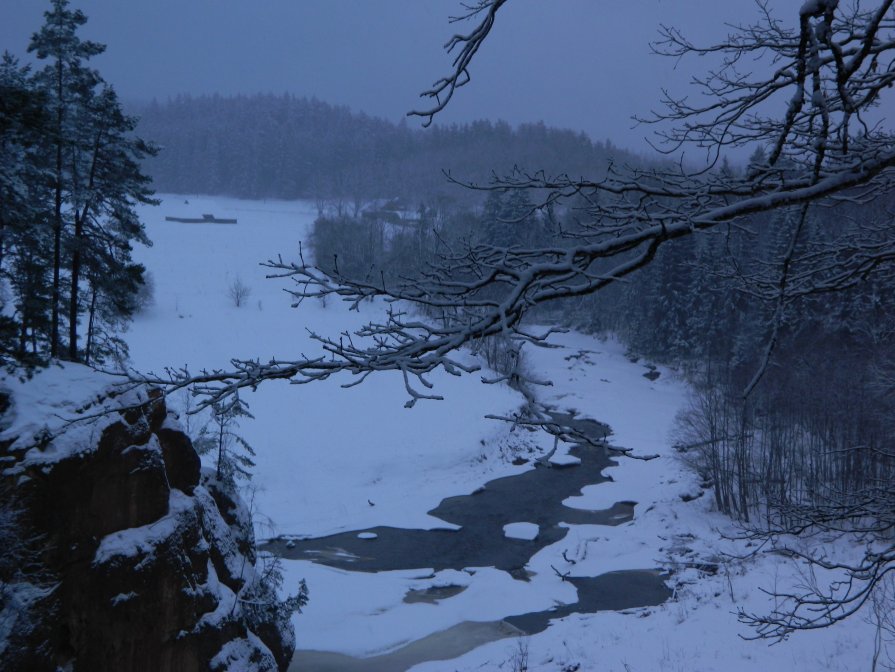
column 239, row 292
column 519, row 659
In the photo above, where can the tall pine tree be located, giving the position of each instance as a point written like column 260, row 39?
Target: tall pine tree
column 96, row 178
column 67, row 82
column 106, row 184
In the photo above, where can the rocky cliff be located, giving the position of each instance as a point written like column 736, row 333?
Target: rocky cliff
column 122, row 553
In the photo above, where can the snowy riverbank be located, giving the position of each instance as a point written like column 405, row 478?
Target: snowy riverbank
column 331, row 459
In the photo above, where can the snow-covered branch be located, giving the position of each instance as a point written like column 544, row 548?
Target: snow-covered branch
column 830, row 69
column 468, row 44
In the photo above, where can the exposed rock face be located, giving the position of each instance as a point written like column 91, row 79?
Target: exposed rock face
column 144, row 559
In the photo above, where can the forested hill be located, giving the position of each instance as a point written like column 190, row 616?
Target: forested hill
column 287, row 147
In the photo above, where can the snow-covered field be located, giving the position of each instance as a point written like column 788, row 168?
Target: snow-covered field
column 332, row 459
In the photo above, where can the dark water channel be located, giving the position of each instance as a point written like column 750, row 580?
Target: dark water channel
column 534, row 496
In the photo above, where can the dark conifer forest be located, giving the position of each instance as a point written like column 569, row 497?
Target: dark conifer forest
column 282, row 146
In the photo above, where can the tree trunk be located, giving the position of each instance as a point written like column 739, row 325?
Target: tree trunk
column 23, row 333
column 88, row 349
column 77, row 252
column 73, row 299
column 2, row 242
column 220, row 446
column 57, row 218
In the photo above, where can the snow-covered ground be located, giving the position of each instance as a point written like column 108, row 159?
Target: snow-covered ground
column 332, row 459
column 324, row 452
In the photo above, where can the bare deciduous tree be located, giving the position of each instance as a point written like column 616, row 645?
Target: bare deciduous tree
column 804, row 91
column 846, row 586
column 238, row 292
column 802, row 94
column 809, row 109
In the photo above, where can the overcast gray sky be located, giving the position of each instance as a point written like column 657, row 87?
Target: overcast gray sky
column 580, row 64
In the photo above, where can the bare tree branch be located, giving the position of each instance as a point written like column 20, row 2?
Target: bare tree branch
column 830, row 70
column 443, row 89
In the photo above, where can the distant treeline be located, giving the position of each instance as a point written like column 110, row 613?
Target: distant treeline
column 267, row 146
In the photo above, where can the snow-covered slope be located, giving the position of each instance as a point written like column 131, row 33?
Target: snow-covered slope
column 333, row 459
column 324, row 453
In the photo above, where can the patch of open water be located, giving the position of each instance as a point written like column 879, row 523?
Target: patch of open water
column 534, row 496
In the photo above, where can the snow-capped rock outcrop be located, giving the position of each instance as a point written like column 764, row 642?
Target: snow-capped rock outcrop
column 133, row 558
